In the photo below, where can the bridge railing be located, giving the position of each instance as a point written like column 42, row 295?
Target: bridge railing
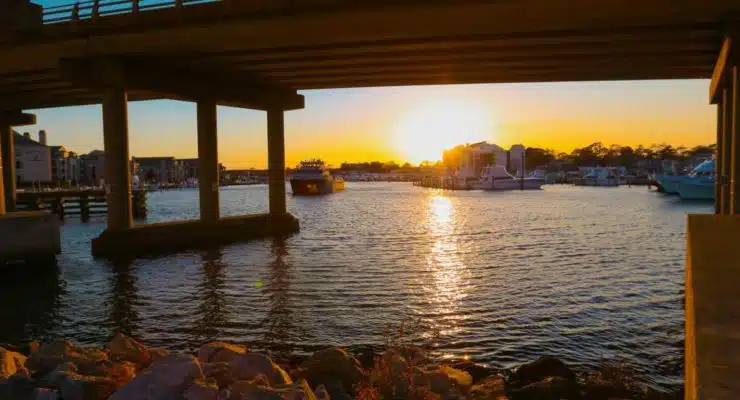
column 93, row 9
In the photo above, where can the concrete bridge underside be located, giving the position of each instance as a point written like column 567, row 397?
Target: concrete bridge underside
column 258, row 54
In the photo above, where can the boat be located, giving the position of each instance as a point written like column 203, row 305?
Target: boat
column 313, row 177
column 699, row 184
column 670, row 183
column 598, row 177
column 495, row 177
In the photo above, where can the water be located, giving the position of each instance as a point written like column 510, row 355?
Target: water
column 582, row 273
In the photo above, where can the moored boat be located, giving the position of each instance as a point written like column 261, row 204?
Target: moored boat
column 495, row 177
column 313, row 177
column 699, row 184
column 670, row 183
column 598, row 177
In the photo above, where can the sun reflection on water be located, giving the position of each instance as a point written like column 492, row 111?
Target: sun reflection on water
column 448, row 276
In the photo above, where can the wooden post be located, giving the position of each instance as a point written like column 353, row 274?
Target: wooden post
column 95, row 12
column 276, row 161
column 734, row 144
column 726, row 147
column 718, row 161
column 208, row 181
column 117, row 172
column 134, row 6
column 7, row 164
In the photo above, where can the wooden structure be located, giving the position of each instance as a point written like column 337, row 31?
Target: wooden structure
column 82, row 203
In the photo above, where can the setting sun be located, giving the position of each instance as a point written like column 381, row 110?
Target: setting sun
column 430, row 129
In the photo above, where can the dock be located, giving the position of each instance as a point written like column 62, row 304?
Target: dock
column 80, row 203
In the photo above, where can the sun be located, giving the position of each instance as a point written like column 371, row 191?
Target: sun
column 424, row 133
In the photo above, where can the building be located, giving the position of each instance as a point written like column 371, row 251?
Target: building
column 91, row 167
column 32, row 159
column 189, row 169
column 159, row 169
column 65, row 166
column 476, row 156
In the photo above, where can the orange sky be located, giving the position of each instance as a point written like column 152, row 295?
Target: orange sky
column 415, row 123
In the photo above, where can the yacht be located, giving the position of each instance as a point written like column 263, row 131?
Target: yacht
column 670, row 183
column 699, row 184
column 598, row 177
column 495, row 177
column 313, row 177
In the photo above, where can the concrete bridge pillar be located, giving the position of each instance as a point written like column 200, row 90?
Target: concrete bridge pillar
column 734, row 141
column 117, row 171
column 276, row 161
column 208, row 180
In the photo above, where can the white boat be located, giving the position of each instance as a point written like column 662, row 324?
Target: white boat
column 495, row 177
column 599, row 177
column 699, row 184
column 312, row 177
column 670, row 183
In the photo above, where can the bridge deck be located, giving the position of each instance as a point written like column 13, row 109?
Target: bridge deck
column 339, row 44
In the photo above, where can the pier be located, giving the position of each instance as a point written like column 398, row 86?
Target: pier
column 258, row 54
column 82, row 203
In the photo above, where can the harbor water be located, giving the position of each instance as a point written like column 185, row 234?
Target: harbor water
column 582, row 273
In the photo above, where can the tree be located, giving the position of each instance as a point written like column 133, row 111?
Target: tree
column 451, row 157
column 536, row 157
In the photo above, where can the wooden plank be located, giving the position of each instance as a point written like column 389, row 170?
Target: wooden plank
column 17, row 118
column 719, row 74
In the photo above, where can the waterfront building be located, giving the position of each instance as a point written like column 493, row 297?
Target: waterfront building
column 159, row 169
column 479, row 155
column 91, row 167
column 32, row 159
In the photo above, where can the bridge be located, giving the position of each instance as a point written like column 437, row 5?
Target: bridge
column 259, row 54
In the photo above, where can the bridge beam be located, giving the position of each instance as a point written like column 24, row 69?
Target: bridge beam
column 208, row 180
column 180, row 83
column 9, row 119
column 117, row 166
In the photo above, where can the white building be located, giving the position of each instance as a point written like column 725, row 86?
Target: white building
column 32, row 159
column 65, row 165
column 91, row 168
column 479, row 155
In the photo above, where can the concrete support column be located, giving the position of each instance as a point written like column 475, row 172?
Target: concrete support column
column 718, row 160
column 117, row 172
column 208, row 161
column 276, row 161
column 8, row 165
column 734, row 143
column 4, row 129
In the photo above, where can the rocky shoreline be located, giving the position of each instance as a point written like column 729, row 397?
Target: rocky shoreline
column 129, row 370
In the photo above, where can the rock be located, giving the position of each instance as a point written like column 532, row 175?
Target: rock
column 12, row 363
column 490, row 388
column 200, row 390
column 124, row 348
column 45, row 394
column 332, row 364
column 80, row 387
column 220, row 373
column 244, row 390
column 538, row 370
column 48, row 356
column 477, row 371
column 551, row 388
column 157, row 353
column 17, row 387
column 413, row 355
column 445, row 378
column 249, row 366
column 164, row 379
column 219, row 352
column 321, row 393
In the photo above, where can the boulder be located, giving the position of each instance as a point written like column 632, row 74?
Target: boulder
column 249, row 366
column 16, row 387
column 321, row 393
column 414, row 355
column 200, row 390
column 551, row 388
column 536, row 371
column 45, row 394
column 491, row 388
column 445, row 378
column 164, row 379
column 124, row 348
column 332, row 364
column 79, row 387
column 477, row 371
column 220, row 373
column 219, row 352
column 11, row 363
column 245, row 390
column 50, row 355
